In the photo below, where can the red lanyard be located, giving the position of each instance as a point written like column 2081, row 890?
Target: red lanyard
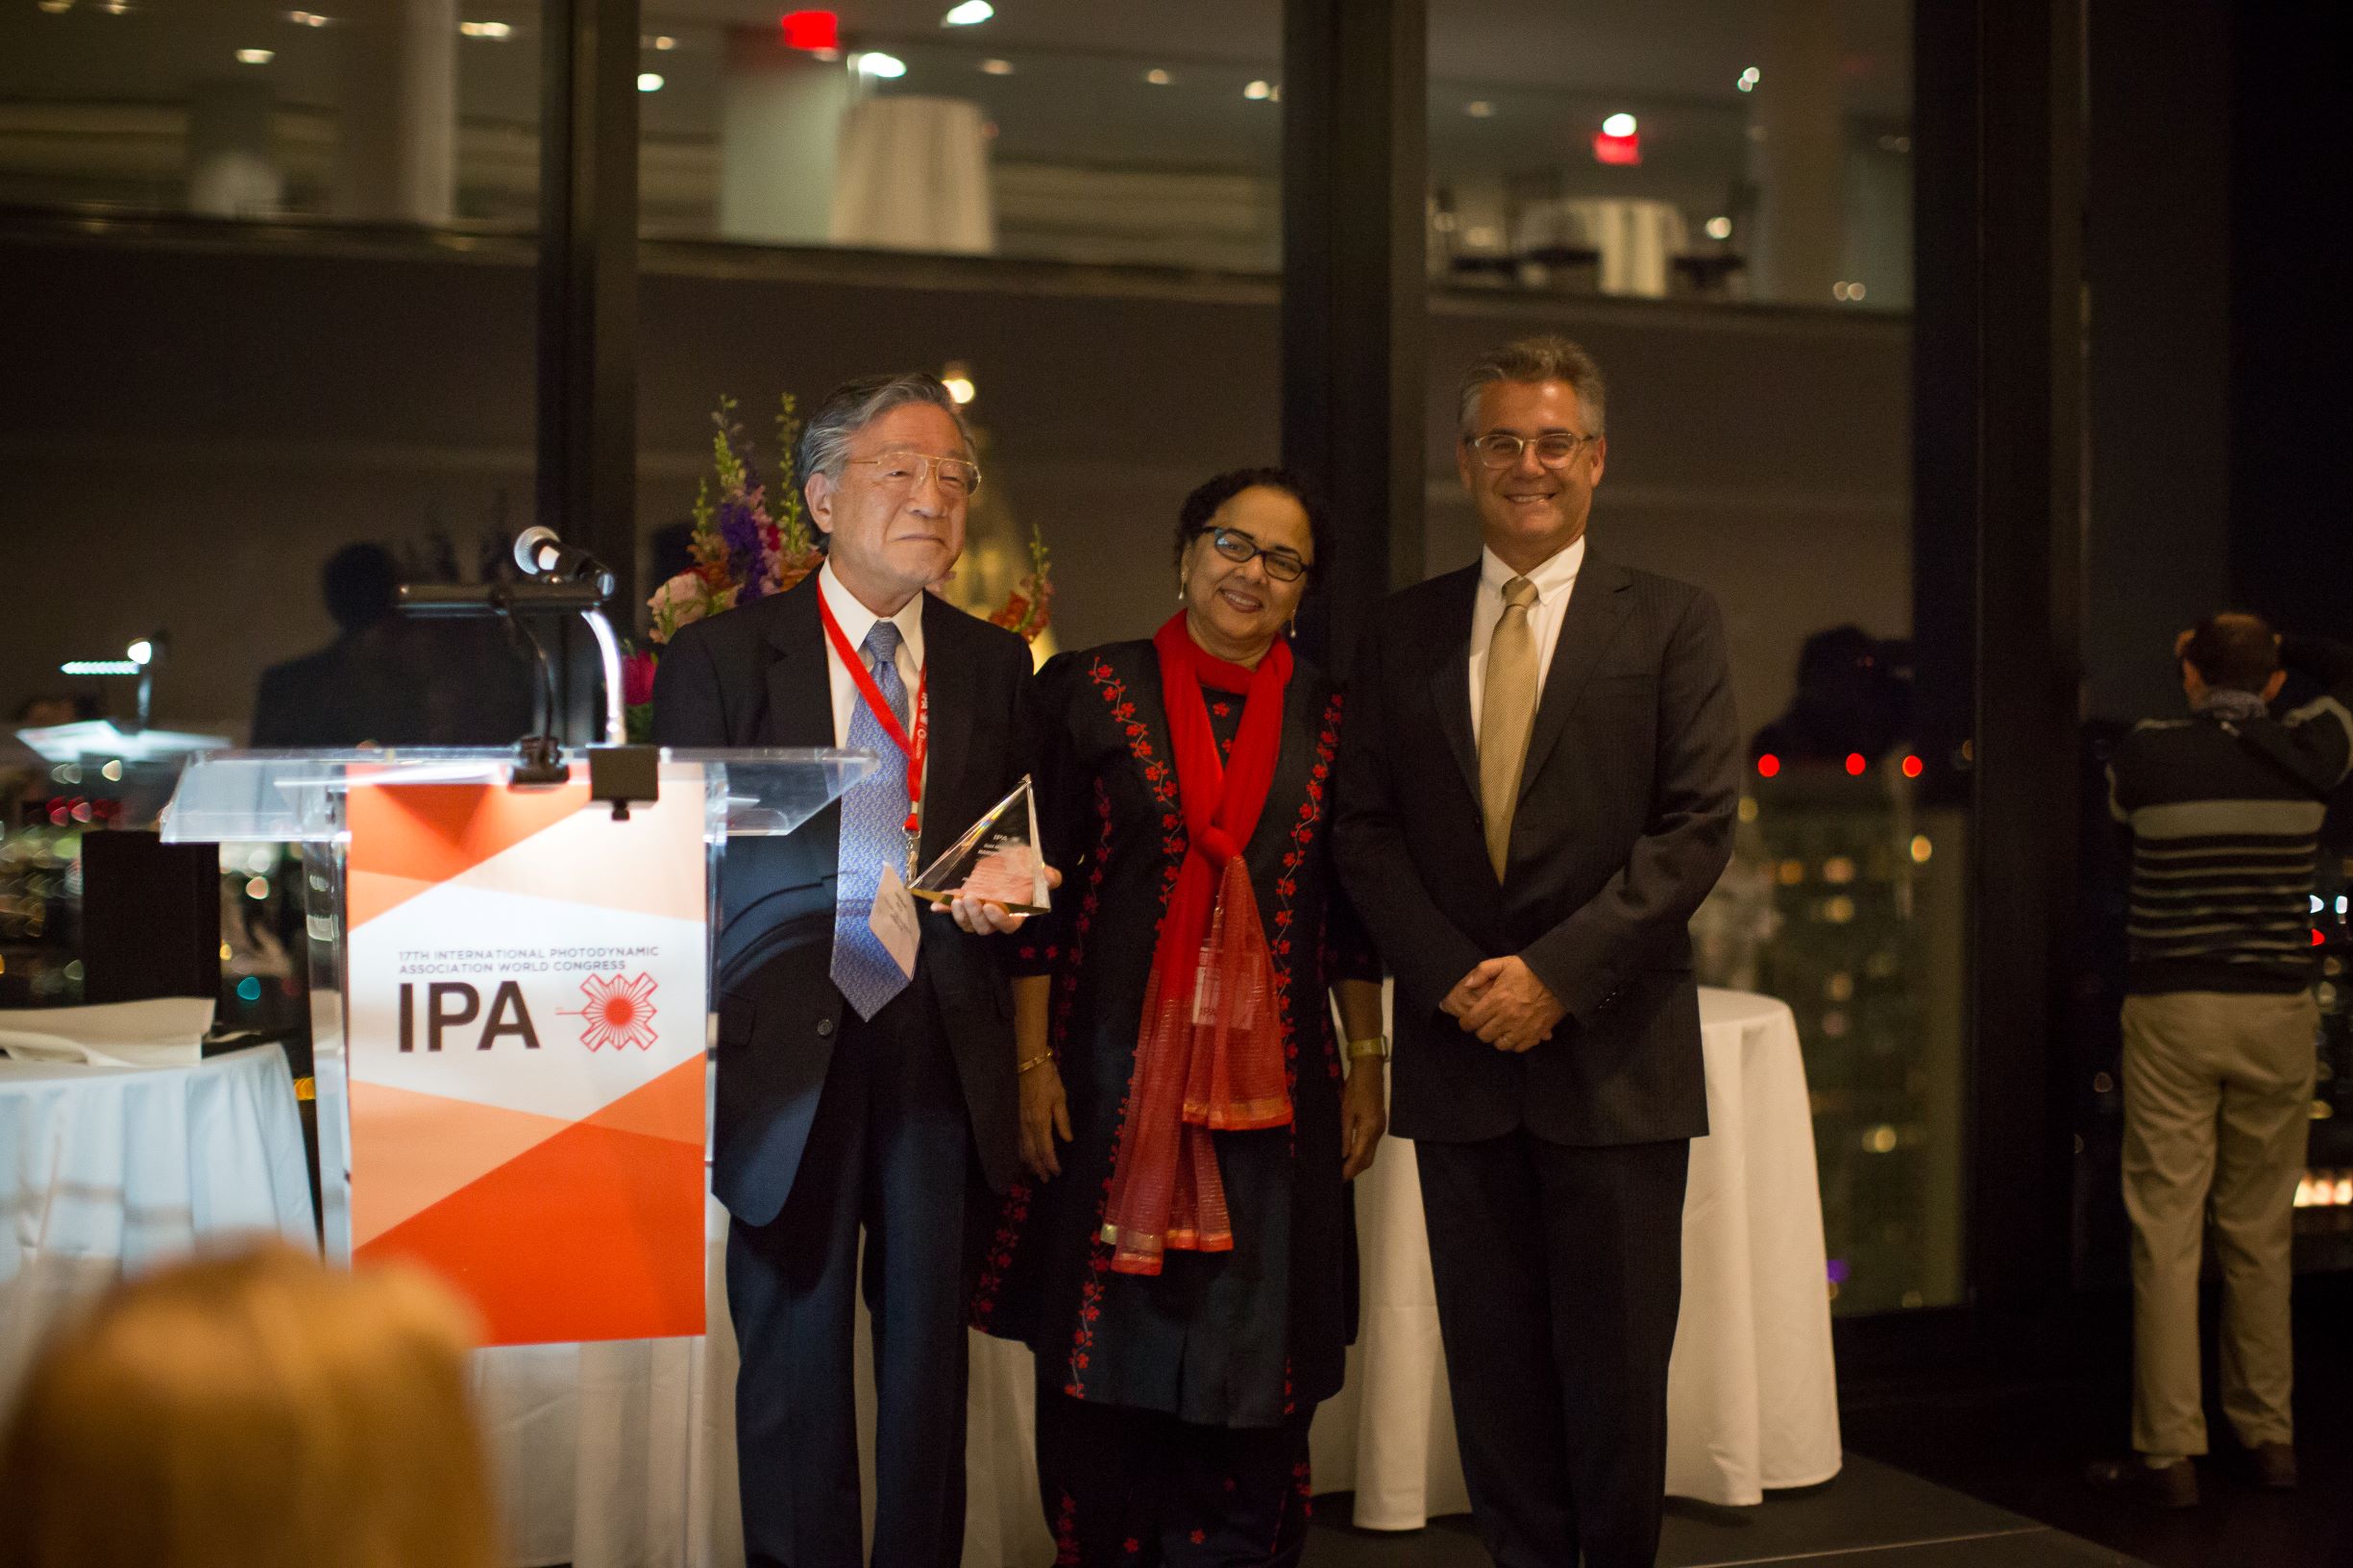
column 912, row 748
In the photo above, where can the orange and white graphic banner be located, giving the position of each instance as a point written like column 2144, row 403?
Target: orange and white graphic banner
column 526, row 985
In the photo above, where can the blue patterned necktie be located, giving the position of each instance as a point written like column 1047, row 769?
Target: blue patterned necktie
column 874, row 835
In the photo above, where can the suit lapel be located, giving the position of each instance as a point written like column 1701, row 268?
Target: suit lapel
column 800, row 682
column 1449, row 652
column 1596, row 607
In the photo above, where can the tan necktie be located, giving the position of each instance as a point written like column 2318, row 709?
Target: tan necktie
column 1507, row 706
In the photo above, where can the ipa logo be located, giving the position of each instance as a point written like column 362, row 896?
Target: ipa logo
column 619, row 1012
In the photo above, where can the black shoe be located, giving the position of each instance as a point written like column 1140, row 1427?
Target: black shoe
column 2169, row 1486
column 2275, row 1466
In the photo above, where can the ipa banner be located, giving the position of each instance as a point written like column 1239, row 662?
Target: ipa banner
column 525, row 1034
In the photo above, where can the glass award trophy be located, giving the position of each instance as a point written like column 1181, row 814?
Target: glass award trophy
column 998, row 859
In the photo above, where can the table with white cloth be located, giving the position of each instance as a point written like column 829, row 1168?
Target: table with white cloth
column 106, row 1169
column 1752, row 1393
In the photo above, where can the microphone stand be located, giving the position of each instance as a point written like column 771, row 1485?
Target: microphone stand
column 539, row 758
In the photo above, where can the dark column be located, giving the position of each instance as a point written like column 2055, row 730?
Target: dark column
column 588, row 285
column 1352, row 290
column 1998, row 514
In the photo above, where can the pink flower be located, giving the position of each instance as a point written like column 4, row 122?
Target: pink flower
column 637, row 678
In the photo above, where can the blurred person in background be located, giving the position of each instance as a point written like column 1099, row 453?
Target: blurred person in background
column 363, row 687
column 260, row 1410
column 2223, row 810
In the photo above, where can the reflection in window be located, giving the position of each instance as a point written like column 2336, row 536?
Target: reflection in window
column 1047, row 133
column 376, row 110
column 1747, row 152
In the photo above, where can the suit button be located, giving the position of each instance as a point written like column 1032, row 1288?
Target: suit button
column 824, row 1027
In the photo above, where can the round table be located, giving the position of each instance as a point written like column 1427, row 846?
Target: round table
column 107, row 1170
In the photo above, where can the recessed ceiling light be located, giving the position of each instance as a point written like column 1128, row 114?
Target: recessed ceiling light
column 971, row 13
column 649, row 80
column 664, row 42
column 1158, row 77
column 1719, row 228
column 1749, row 79
column 307, row 18
column 996, row 67
column 1618, row 125
column 487, row 30
column 57, row 8
column 1258, row 92
column 256, row 56
column 1479, row 109
column 875, row 63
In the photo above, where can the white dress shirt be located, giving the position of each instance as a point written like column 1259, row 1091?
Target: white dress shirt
column 856, row 621
column 1555, row 579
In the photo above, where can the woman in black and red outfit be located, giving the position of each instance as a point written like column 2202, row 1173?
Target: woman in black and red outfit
column 1181, row 1256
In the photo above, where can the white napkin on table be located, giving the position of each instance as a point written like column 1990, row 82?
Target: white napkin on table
column 166, row 1030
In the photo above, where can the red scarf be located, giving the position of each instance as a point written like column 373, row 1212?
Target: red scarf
column 1208, row 1054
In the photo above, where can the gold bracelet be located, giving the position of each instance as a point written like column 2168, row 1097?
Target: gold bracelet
column 1039, row 1060
column 1372, row 1045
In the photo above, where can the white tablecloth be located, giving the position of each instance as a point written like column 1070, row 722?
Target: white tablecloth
column 104, row 1170
column 626, row 1454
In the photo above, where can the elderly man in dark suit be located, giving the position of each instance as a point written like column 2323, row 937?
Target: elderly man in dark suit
column 1536, row 789
column 855, row 1092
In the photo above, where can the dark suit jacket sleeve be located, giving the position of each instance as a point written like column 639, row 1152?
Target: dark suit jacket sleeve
column 1680, row 855
column 1424, row 950
column 688, row 709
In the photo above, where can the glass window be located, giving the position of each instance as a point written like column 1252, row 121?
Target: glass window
column 1069, row 132
column 1715, row 152
column 415, row 111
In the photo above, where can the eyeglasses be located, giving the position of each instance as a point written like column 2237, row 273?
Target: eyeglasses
column 906, row 471
column 1238, row 546
column 1501, row 449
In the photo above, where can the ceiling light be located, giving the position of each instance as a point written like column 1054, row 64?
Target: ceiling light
column 256, row 56
column 1258, row 92
column 487, row 30
column 649, row 80
column 1158, row 77
column 663, row 41
column 307, row 18
column 996, row 67
column 1479, row 109
column 971, row 13
column 875, row 63
column 958, row 380
column 1719, row 228
column 1618, row 125
column 57, row 8
column 141, row 653
column 1749, row 79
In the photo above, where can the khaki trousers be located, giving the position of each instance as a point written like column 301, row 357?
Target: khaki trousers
column 2217, row 1096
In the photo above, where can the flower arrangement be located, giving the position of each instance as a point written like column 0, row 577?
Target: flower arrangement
column 745, row 551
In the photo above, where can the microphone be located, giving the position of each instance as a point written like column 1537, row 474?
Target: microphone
column 541, row 553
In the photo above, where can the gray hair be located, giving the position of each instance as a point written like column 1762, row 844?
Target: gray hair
column 1532, row 359
column 853, row 405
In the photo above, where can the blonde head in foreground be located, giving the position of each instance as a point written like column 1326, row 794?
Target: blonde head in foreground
column 260, row 1410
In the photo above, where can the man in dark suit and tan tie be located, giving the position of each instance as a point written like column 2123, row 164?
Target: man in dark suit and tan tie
column 863, row 1085
column 1536, row 789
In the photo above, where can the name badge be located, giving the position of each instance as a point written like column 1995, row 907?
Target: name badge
column 893, row 921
